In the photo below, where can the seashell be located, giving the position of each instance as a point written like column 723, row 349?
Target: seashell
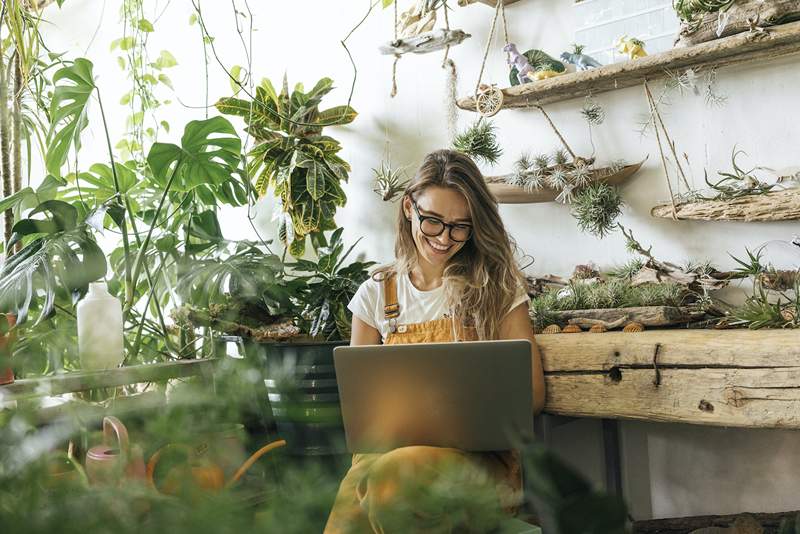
column 571, row 329
column 633, row 327
column 552, row 329
column 788, row 314
column 597, row 329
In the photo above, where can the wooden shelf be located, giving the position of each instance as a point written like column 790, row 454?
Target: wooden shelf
column 745, row 47
column 511, row 194
column 777, row 206
column 741, row 378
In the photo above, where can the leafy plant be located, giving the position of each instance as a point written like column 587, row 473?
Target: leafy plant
column 389, row 182
column 737, row 183
column 596, row 208
column 692, row 11
column 293, row 157
column 329, row 286
column 479, row 141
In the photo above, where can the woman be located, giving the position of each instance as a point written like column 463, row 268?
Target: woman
column 454, row 278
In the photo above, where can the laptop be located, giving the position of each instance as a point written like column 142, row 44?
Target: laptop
column 474, row 396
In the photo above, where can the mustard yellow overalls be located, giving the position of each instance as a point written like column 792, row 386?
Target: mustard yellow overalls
column 385, row 493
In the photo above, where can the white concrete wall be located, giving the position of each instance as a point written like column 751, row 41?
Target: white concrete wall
column 670, row 470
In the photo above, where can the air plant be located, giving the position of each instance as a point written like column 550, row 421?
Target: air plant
column 389, row 182
column 692, row 12
column 560, row 157
column 592, row 112
column 580, row 174
column 627, row 270
column 737, row 183
column 596, row 208
column 541, row 161
column 480, row 142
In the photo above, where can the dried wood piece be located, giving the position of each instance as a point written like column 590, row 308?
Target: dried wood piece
column 615, row 317
column 744, row 47
column 738, row 19
column 777, row 206
column 681, row 525
column 425, row 42
column 511, row 194
column 739, row 378
column 492, row 3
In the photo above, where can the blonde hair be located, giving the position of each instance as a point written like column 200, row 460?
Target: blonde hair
column 482, row 279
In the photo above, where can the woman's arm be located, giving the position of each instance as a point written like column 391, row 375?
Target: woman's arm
column 363, row 334
column 517, row 325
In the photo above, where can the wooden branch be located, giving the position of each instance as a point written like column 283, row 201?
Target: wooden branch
column 778, row 206
column 770, row 522
column 511, row 194
column 780, row 41
column 646, row 315
column 86, row 380
column 738, row 20
column 739, row 378
column 425, row 42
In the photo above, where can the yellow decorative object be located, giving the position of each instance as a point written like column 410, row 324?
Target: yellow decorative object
column 633, row 327
column 597, row 329
column 544, row 74
column 552, row 329
column 571, row 329
column 631, row 46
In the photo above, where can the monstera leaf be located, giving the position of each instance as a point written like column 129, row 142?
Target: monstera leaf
column 207, row 162
column 61, row 255
column 68, row 112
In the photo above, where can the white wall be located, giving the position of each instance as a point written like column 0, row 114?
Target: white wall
column 692, row 470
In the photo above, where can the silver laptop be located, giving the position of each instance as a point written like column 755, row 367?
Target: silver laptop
column 474, row 396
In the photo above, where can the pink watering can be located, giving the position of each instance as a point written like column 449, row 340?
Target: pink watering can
column 115, row 460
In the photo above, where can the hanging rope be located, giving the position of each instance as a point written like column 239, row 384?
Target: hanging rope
column 396, row 56
column 505, row 22
column 447, row 27
column 654, row 111
column 670, row 142
column 488, row 46
column 558, row 133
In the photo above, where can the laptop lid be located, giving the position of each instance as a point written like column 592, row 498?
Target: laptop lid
column 474, row 396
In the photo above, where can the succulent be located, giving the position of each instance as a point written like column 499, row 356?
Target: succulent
column 580, row 174
column 558, row 179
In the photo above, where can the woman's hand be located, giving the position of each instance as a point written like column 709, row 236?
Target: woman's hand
column 517, row 325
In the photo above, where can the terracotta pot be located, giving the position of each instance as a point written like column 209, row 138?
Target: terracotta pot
column 6, row 344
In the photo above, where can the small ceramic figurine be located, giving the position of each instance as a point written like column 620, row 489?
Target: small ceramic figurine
column 631, row 46
column 579, row 59
column 515, row 59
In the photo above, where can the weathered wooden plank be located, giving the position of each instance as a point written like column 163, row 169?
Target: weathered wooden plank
column 85, row 380
column 777, row 206
column 741, row 48
column 492, row 3
column 724, row 378
column 739, row 17
column 616, row 317
column 769, row 522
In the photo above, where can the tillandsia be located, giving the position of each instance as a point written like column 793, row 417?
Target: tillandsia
column 738, row 182
column 479, row 141
column 691, row 12
column 592, row 112
column 596, row 208
column 389, row 182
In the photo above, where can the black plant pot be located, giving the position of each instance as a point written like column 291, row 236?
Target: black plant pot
column 303, row 396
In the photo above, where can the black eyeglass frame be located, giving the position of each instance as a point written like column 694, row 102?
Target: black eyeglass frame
column 445, row 226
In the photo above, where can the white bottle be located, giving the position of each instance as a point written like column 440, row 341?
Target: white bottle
column 100, row 329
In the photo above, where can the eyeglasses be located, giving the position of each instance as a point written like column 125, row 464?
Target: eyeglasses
column 433, row 227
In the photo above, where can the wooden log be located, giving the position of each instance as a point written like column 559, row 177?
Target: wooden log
column 770, row 522
column 646, row 315
column 741, row 48
column 738, row 378
column 511, row 194
column 778, row 206
column 425, row 42
column 738, row 20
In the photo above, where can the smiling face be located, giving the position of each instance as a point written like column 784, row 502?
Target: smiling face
column 448, row 206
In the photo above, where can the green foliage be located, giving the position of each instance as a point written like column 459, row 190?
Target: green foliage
column 479, row 142
column 293, row 157
column 737, row 183
column 596, row 208
column 74, row 85
column 540, row 61
column 692, row 11
column 628, row 270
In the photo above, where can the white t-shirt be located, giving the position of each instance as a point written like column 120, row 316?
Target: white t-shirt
column 415, row 306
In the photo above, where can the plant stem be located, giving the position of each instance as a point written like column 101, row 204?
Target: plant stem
column 137, row 266
column 5, row 151
column 17, row 130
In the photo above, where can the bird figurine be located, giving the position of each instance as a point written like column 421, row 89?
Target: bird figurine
column 579, row 59
column 631, row 46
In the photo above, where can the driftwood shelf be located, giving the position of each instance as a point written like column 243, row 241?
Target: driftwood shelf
column 778, row 206
column 738, row 378
column 492, row 3
column 511, row 194
column 745, row 47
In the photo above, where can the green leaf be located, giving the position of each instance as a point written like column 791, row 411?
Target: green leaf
column 193, row 19
column 165, row 60
column 126, row 43
column 315, row 180
column 337, row 116
column 163, row 78
column 121, row 62
column 12, row 201
column 233, row 106
column 236, row 76
column 387, row 3
column 145, row 25
column 68, row 111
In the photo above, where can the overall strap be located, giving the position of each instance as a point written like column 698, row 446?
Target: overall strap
column 391, row 308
